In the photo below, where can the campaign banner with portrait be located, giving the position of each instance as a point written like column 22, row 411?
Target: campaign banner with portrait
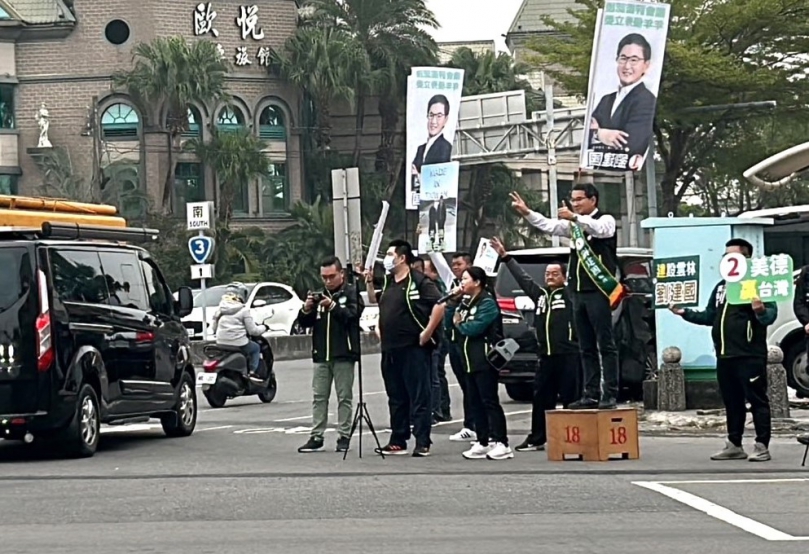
column 628, row 50
column 433, row 102
column 438, row 208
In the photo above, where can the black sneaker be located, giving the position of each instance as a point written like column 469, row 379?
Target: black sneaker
column 421, row 452
column 584, row 404
column 528, row 446
column 342, row 445
column 312, row 445
column 607, row 404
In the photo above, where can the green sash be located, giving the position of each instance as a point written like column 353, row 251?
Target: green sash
column 600, row 275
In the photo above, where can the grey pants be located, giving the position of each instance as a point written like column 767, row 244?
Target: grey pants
column 342, row 374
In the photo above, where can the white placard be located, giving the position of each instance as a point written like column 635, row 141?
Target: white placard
column 199, row 216
column 486, row 257
column 202, row 271
column 733, row 267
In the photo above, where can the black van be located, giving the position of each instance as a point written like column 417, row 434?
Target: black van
column 89, row 334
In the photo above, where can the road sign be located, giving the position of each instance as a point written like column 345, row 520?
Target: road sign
column 199, row 215
column 201, row 248
column 202, row 271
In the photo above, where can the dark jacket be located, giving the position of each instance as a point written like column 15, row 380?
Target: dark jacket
column 480, row 328
column 606, row 250
column 420, row 294
column 634, row 115
column 800, row 304
column 439, row 153
column 450, row 332
column 737, row 331
column 336, row 331
column 554, row 313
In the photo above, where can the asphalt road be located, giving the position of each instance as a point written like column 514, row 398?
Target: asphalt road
column 239, row 486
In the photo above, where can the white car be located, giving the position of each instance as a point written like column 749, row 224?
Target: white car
column 274, row 301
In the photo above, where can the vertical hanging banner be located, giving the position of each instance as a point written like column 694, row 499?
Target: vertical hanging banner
column 628, row 51
column 433, row 102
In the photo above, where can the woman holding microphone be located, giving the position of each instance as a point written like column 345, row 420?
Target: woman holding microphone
column 478, row 322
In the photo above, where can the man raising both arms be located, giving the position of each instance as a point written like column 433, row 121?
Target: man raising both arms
column 594, row 290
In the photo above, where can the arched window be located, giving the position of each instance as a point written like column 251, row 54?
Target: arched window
column 230, row 118
column 119, row 121
column 271, row 124
column 194, row 123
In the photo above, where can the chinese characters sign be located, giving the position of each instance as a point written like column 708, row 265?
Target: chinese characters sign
column 435, row 79
column 629, row 48
column 677, row 282
column 620, row 14
column 248, row 23
column 768, row 278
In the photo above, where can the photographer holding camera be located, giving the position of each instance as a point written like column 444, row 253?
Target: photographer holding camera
column 334, row 316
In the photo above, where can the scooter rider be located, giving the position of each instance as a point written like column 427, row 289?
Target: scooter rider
column 233, row 325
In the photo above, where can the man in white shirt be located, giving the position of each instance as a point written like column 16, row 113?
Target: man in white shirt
column 593, row 288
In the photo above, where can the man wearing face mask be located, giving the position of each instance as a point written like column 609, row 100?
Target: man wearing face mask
column 557, row 376
column 408, row 317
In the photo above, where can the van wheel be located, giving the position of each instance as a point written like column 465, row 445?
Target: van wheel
column 81, row 436
column 183, row 420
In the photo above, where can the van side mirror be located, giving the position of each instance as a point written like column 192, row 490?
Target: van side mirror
column 185, row 301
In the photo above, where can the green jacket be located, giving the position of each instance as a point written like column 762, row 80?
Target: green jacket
column 481, row 326
column 737, row 331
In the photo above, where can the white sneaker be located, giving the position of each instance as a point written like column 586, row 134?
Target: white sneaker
column 464, row 435
column 500, row 452
column 478, row 452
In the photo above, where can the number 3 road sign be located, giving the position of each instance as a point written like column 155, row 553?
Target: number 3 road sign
column 201, row 249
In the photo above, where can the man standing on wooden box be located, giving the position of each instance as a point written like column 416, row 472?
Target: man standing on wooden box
column 558, row 373
column 593, row 288
column 739, row 333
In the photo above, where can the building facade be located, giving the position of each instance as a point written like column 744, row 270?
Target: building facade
column 57, row 58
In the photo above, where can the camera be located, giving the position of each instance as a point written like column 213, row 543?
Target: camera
column 317, row 296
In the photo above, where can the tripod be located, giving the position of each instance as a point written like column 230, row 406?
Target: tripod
column 361, row 414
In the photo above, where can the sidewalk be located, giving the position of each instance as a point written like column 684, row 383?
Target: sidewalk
column 712, row 422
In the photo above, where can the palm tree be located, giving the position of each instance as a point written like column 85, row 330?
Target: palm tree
column 391, row 35
column 168, row 76
column 237, row 157
column 321, row 62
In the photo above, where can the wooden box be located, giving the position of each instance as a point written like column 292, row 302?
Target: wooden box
column 592, row 435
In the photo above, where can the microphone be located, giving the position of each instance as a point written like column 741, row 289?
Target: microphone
column 449, row 295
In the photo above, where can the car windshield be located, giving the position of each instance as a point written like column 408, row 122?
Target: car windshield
column 214, row 295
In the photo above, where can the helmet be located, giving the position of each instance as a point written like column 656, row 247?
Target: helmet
column 237, row 290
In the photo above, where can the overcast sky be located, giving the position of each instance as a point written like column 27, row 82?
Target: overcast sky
column 473, row 19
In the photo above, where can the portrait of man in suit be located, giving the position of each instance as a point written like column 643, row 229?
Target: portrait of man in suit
column 437, row 149
column 623, row 120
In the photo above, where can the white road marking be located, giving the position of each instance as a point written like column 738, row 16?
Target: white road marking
column 293, row 418
column 213, row 428
column 719, row 512
column 130, row 428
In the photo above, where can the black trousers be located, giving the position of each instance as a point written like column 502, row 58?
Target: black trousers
column 743, row 380
column 456, row 361
column 407, row 376
column 557, row 378
column 484, row 393
column 593, row 320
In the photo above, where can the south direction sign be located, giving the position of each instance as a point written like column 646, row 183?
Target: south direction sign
column 201, row 248
column 199, row 216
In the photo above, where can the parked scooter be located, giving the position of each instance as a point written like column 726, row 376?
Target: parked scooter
column 225, row 375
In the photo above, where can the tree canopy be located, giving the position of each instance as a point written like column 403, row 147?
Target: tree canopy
column 718, row 53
